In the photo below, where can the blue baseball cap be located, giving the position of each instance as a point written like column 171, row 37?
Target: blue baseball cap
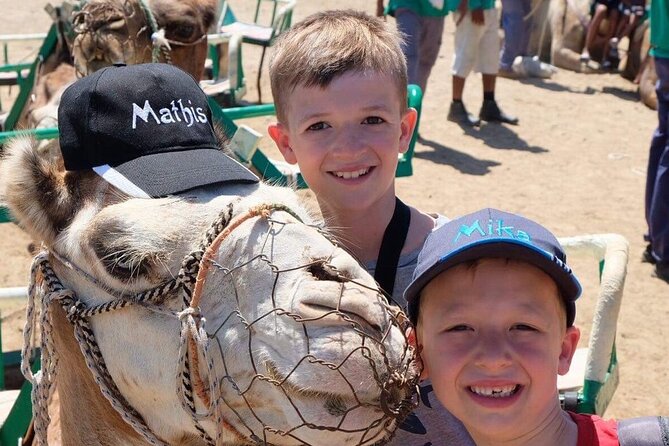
column 494, row 234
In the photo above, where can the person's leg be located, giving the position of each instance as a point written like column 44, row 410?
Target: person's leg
column 593, row 27
column 526, row 28
column 627, row 23
column 409, row 24
column 487, row 65
column 657, row 181
column 610, row 57
column 458, row 87
column 512, row 22
column 464, row 56
column 489, row 81
column 430, row 43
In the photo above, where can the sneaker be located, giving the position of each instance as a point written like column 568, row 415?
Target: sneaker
column 662, row 271
column 647, row 255
column 491, row 112
column 459, row 114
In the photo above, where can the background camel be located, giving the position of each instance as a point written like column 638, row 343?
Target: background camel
column 558, row 36
column 640, row 67
column 104, row 32
column 286, row 311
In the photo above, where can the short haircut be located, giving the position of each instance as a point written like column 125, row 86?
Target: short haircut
column 331, row 43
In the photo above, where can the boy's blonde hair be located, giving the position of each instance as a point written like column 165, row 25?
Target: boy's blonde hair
column 328, row 44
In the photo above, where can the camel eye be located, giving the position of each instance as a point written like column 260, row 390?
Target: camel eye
column 123, row 264
column 182, row 32
column 119, row 258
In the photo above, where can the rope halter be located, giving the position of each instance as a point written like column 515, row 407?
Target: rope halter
column 203, row 372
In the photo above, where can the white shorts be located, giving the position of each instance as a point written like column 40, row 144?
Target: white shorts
column 476, row 46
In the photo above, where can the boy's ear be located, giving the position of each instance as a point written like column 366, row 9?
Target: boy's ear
column 279, row 133
column 569, row 343
column 407, row 126
column 413, row 342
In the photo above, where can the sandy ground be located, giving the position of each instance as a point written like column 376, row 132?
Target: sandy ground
column 577, row 163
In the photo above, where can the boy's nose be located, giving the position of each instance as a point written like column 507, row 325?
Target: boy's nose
column 348, row 142
column 492, row 352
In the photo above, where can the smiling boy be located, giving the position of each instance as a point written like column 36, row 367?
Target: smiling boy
column 339, row 83
column 340, row 88
column 493, row 304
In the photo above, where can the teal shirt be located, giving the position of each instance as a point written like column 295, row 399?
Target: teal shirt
column 659, row 28
column 472, row 4
column 429, row 8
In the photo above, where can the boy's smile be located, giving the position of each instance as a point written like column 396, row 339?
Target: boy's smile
column 347, row 137
column 352, row 174
column 494, row 340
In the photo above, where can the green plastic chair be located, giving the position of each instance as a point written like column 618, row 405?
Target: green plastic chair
column 593, row 377
column 259, row 34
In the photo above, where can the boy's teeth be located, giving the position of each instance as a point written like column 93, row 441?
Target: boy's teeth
column 349, row 175
column 495, row 392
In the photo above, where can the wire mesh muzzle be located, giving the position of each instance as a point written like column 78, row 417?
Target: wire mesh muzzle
column 342, row 377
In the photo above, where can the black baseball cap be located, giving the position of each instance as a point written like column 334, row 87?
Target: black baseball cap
column 147, row 129
column 490, row 233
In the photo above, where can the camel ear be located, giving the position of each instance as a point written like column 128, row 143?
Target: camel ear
column 209, row 14
column 42, row 197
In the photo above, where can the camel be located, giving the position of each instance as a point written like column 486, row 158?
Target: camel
column 139, row 31
column 105, row 32
column 275, row 336
column 640, row 67
column 558, row 35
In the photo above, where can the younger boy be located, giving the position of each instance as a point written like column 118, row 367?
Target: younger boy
column 493, row 304
column 339, row 82
column 476, row 47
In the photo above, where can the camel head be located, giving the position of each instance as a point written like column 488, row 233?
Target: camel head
column 139, row 31
column 283, row 336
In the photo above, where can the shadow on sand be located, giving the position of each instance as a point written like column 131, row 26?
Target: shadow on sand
column 463, row 162
column 499, row 136
column 554, row 86
column 621, row 93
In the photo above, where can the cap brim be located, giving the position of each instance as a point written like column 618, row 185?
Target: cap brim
column 569, row 286
column 168, row 173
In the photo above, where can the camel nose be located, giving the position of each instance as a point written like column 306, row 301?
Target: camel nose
column 345, row 293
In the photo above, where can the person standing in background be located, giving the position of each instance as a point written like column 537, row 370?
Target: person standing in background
column 421, row 23
column 476, row 48
column 517, row 31
column 657, row 179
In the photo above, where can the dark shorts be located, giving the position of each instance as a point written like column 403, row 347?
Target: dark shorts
column 632, row 7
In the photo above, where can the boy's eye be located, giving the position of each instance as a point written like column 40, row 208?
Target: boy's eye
column 318, row 126
column 457, row 328
column 523, row 327
column 373, row 120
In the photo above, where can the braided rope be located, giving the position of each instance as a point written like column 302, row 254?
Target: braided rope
column 161, row 46
column 42, row 276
